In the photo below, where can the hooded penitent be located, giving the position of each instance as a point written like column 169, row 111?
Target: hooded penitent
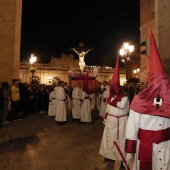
column 115, row 89
column 115, row 83
column 155, row 99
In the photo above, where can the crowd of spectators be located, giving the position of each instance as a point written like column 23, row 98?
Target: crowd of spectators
column 20, row 99
column 132, row 89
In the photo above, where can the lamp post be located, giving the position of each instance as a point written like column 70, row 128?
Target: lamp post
column 33, row 59
column 125, row 52
column 136, row 72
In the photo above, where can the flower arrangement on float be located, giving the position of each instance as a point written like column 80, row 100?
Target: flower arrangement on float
column 90, row 73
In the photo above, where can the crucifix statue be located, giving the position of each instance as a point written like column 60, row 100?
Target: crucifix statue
column 81, row 51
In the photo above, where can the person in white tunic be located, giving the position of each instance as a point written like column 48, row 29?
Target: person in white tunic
column 76, row 96
column 104, row 96
column 98, row 96
column 61, row 111
column 115, row 121
column 67, row 91
column 92, row 102
column 148, row 129
column 52, row 104
column 85, row 114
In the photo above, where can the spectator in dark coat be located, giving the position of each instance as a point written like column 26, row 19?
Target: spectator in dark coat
column 23, row 96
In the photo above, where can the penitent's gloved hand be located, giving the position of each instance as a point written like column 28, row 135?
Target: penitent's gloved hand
column 129, row 157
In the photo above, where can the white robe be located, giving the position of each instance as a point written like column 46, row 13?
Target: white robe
column 92, row 103
column 103, row 106
column 111, row 130
column 85, row 115
column 76, row 95
column 98, row 102
column 161, row 151
column 61, row 111
column 52, row 103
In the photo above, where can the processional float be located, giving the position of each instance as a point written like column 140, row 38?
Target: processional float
column 89, row 74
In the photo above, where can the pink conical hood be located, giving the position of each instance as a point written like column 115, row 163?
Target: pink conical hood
column 156, row 69
column 115, row 83
column 115, row 76
column 158, row 87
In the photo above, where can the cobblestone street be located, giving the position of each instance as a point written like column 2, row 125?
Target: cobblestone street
column 39, row 143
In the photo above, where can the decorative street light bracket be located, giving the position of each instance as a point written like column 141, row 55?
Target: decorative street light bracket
column 32, row 69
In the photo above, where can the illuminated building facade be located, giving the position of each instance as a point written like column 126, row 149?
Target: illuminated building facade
column 58, row 69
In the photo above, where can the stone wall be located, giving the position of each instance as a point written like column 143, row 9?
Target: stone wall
column 162, row 31
column 147, row 24
column 47, row 71
column 10, row 32
column 155, row 17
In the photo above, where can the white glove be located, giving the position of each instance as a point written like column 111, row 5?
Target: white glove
column 128, row 158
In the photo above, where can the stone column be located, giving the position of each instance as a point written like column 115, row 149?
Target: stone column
column 162, row 32
column 10, row 35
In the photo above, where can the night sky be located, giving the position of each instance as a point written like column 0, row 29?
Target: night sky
column 50, row 27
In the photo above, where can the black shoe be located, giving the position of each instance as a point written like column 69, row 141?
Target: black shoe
column 20, row 119
column 80, row 122
column 121, row 165
column 61, row 123
column 107, row 159
column 76, row 120
column 13, row 120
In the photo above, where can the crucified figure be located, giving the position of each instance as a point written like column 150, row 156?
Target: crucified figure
column 81, row 58
column 81, row 54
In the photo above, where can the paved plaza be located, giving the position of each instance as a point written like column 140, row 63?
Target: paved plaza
column 39, row 143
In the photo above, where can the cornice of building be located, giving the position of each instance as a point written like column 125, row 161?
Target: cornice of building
column 42, row 66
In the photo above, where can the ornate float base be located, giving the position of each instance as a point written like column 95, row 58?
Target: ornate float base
column 92, row 82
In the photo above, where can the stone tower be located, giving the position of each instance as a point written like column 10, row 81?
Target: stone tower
column 10, row 35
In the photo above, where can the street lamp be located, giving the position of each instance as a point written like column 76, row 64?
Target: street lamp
column 137, row 72
column 32, row 69
column 125, row 51
column 49, row 80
